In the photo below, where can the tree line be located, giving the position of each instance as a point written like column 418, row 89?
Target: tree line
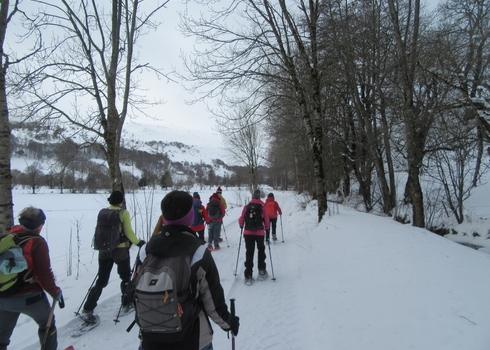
column 358, row 96
column 383, row 99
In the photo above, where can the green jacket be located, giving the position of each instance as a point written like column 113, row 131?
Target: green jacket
column 126, row 225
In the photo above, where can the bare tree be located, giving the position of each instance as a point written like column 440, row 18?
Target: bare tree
column 244, row 141
column 7, row 12
column 463, row 42
column 276, row 42
column 87, row 78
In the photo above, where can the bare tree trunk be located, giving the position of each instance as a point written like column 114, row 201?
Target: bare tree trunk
column 6, row 204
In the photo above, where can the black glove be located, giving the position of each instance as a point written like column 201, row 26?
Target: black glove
column 235, row 324
column 141, row 243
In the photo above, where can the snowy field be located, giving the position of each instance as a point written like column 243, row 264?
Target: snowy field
column 354, row 281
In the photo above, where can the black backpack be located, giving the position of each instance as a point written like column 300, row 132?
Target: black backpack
column 108, row 232
column 253, row 217
column 213, row 209
column 165, row 304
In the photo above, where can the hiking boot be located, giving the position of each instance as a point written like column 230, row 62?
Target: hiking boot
column 126, row 309
column 262, row 275
column 88, row 317
column 274, row 237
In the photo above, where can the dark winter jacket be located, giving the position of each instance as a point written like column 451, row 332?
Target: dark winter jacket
column 38, row 275
column 265, row 218
column 272, row 208
column 179, row 240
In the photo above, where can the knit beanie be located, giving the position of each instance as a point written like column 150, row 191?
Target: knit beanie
column 270, row 195
column 256, row 194
column 116, row 197
column 196, row 195
column 31, row 218
column 177, row 208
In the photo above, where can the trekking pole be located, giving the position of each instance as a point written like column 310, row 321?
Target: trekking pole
column 282, row 232
column 48, row 324
column 272, row 266
column 226, row 236
column 86, row 295
column 238, row 255
column 128, row 285
column 232, row 307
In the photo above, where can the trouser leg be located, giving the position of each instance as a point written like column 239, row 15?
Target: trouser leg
column 260, row 252
column 249, row 255
column 124, row 271
column 105, row 267
column 8, row 320
column 273, row 225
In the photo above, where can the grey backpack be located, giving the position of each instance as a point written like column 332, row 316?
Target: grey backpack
column 165, row 303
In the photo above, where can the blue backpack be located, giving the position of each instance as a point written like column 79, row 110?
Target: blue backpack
column 197, row 215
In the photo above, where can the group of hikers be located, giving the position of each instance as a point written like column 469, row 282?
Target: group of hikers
column 177, row 244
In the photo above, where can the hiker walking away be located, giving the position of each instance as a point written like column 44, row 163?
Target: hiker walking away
column 254, row 222
column 119, row 256
column 272, row 209
column 222, row 199
column 27, row 296
column 215, row 212
column 178, row 245
column 200, row 216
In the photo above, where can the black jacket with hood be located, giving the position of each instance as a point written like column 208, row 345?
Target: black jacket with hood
column 175, row 240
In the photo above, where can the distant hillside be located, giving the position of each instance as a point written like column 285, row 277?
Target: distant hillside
column 40, row 156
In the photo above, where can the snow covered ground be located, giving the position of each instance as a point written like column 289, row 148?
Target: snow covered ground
column 353, row 281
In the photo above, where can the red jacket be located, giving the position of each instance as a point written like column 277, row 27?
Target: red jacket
column 36, row 253
column 215, row 197
column 272, row 208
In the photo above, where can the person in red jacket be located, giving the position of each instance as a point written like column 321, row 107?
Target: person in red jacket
column 200, row 216
column 215, row 212
column 29, row 297
column 272, row 209
column 254, row 234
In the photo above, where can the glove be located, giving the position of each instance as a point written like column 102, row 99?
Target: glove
column 141, row 243
column 235, row 324
column 60, row 300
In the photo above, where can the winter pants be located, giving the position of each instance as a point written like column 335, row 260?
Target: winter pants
column 120, row 256
column 214, row 229
column 36, row 306
column 273, row 222
column 249, row 254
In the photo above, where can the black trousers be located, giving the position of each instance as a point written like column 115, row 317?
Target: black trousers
column 273, row 225
column 120, row 257
column 250, row 242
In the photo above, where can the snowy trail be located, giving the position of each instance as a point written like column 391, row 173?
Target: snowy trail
column 354, row 281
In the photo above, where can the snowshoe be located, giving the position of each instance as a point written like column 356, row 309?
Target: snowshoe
column 262, row 275
column 84, row 327
column 248, row 281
